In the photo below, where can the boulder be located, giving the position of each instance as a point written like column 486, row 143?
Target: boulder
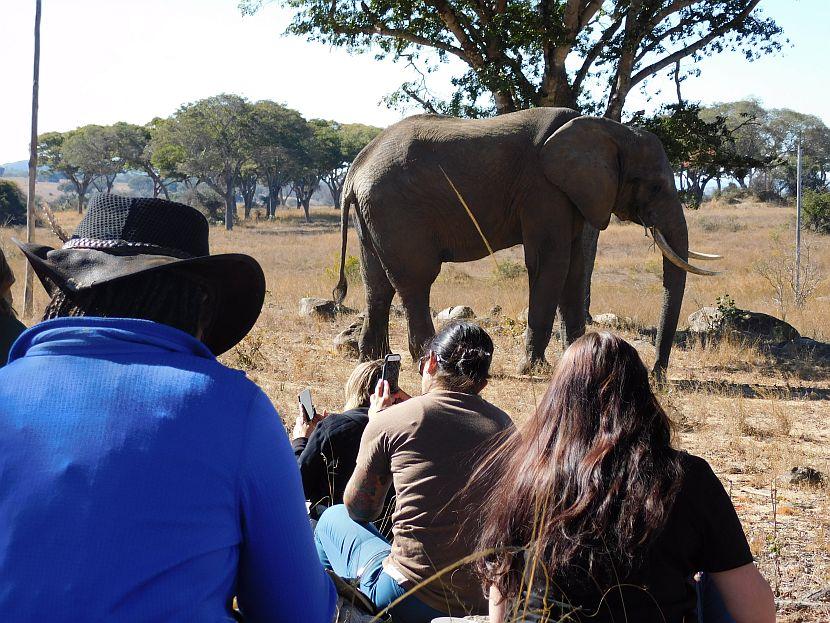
column 805, row 476
column 457, row 312
column 750, row 324
column 347, row 341
column 322, row 309
column 705, row 320
column 613, row 321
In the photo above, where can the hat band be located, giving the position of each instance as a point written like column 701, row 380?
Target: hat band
column 94, row 243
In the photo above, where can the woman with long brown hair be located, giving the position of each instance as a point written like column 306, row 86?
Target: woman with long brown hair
column 10, row 326
column 595, row 517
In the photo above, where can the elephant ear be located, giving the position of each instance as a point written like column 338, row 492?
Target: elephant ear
column 581, row 159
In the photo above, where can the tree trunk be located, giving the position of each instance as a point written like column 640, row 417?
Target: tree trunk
column 230, row 203
column 28, row 283
column 306, row 209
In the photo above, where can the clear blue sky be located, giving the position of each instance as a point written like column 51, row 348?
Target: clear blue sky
column 104, row 61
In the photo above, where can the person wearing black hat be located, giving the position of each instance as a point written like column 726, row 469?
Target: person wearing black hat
column 141, row 480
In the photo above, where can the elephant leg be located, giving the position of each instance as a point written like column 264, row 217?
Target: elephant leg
column 590, row 237
column 572, row 312
column 374, row 337
column 419, row 318
column 547, row 266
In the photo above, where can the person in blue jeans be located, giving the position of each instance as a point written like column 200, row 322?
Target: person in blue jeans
column 140, row 479
column 427, row 447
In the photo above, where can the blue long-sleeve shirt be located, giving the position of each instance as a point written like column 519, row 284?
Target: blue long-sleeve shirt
column 141, row 480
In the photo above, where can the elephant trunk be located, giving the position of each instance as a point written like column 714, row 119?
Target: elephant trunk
column 674, row 284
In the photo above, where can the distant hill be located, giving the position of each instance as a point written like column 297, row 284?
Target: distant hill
column 15, row 169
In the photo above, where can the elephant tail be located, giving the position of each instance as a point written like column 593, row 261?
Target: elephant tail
column 342, row 286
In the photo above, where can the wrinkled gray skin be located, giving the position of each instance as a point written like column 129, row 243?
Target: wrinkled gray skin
column 533, row 177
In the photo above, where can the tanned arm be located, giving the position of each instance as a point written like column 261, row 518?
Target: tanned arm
column 365, row 494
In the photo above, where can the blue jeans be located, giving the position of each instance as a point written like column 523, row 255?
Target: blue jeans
column 354, row 550
column 710, row 606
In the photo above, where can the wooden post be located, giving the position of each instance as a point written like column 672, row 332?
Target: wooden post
column 28, row 305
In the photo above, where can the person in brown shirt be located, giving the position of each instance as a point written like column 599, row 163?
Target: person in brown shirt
column 428, row 447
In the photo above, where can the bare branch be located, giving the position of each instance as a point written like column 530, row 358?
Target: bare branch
column 694, row 47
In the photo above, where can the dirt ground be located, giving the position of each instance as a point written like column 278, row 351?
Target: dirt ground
column 752, row 416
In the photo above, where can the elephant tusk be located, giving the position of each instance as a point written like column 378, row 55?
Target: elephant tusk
column 694, row 255
column 674, row 258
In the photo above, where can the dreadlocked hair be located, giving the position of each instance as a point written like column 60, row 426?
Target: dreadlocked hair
column 6, row 281
column 167, row 297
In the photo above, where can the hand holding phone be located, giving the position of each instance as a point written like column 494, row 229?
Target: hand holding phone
column 391, row 371
column 306, row 406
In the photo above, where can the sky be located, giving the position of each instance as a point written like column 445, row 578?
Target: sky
column 104, row 61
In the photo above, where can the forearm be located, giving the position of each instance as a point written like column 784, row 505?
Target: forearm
column 364, row 497
column 496, row 606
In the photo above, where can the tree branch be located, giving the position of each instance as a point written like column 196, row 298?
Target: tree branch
column 595, row 51
column 694, row 47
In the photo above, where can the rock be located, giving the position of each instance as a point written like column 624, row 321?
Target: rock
column 763, row 327
column 495, row 311
column 312, row 307
column 458, row 312
column 347, row 341
column 613, row 321
column 753, row 325
column 705, row 320
column 522, row 317
column 805, row 476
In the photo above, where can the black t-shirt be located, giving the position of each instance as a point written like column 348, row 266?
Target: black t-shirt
column 703, row 533
column 328, row 457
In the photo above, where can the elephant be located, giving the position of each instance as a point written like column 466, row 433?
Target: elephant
column 431, row 188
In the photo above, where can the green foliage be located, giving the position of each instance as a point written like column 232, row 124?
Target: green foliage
column 698, row 149
column 12, row 204
column 516, row 54
column 726, row 306
column 351, row 269
column 506, row 270
column 817, row 211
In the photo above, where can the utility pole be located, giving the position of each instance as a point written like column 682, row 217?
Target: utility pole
column 28, row 305
column 798, row 221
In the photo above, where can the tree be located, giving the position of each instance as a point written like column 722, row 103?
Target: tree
column 276, row 138
column 12, row 204
column 585, row 54
column 340, row 145
column 207, row 140
column 698, row 150
column 746, row 121
column 133, row 144
column 52, row 152
column 785, row 128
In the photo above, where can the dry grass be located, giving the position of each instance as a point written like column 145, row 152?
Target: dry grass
column 750, row 441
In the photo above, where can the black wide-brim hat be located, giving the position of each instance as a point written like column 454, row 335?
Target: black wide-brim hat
column 121, row 237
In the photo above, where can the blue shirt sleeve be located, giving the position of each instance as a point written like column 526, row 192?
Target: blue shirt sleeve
column 280, row 576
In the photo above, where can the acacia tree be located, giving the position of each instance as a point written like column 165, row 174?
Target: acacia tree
column 275, row 139
column 340, row 144
column 56, row 151
column 584, row 54
column 134, row 146
column 207, row 140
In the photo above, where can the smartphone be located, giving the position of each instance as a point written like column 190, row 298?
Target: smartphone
column 391, row 371
column 305, row 401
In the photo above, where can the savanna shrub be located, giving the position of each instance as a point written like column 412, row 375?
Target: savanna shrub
column 817, row 211
column 351, row 269
column 508, row 269
column 12, row 204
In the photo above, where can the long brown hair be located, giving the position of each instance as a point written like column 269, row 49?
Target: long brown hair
column 590, row 480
